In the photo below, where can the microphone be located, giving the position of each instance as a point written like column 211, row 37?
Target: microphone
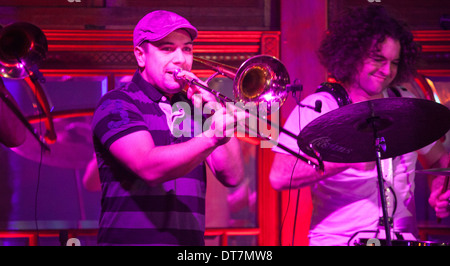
column 317, row 106
column 298, row 87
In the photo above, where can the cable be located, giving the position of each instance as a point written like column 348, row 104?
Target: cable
column 31, row 76
column 290, row 185
column 38, row 179
column 297, row 100
column 40, row 159
column 289, row 197
column 37, row 190
column 295, row 216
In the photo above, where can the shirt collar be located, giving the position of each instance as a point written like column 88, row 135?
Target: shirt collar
column 153, row 93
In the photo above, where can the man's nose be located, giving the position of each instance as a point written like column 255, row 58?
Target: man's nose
column 178, row 56
column 388, row 69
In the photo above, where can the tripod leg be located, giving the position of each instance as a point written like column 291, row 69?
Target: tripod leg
column 382, row 194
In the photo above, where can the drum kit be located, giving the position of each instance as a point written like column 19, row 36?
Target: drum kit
column 375, row 130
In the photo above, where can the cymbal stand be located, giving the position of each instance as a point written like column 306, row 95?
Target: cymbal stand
column 380, row 145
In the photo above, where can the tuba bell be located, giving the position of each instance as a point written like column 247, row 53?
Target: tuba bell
column 22, row 45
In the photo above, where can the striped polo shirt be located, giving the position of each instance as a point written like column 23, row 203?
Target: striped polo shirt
column 132, row 212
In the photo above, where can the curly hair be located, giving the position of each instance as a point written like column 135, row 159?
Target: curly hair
column 350, row 40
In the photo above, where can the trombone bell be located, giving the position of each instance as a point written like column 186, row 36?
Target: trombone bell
column 260, row 79
column 254, row 82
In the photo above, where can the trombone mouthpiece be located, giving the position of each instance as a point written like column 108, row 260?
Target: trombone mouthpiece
column 175, row 74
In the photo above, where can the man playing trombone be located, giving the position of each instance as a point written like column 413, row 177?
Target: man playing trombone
column 153, row 183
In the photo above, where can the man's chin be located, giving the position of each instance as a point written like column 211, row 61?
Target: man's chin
column 172, row 89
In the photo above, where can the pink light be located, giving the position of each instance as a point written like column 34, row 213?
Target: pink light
column 268, row 97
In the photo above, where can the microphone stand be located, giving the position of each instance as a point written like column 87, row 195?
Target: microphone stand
column 380, row 145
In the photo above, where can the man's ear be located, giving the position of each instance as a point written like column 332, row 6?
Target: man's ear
column 139, row 53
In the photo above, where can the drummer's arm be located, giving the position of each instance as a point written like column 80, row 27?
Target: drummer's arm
column 437, row 157
column 289, row 173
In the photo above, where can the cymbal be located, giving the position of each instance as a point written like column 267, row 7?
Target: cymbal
column 435, row 171
column 73, row 147
column 346, row 134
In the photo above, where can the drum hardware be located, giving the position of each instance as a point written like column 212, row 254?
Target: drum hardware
column 390, row 221
column 379, row 129
column 376, row 238
column 399, row 243
column 345, row 135
column 380, row 146
column 435, row 171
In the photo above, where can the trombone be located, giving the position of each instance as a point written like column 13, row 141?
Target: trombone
column 260, row 79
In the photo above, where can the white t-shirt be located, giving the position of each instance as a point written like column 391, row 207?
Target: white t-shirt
column 349, row 202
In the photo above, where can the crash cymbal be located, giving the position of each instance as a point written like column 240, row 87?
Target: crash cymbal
column 346, row 134
column 435, row 171
column 73, row 147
